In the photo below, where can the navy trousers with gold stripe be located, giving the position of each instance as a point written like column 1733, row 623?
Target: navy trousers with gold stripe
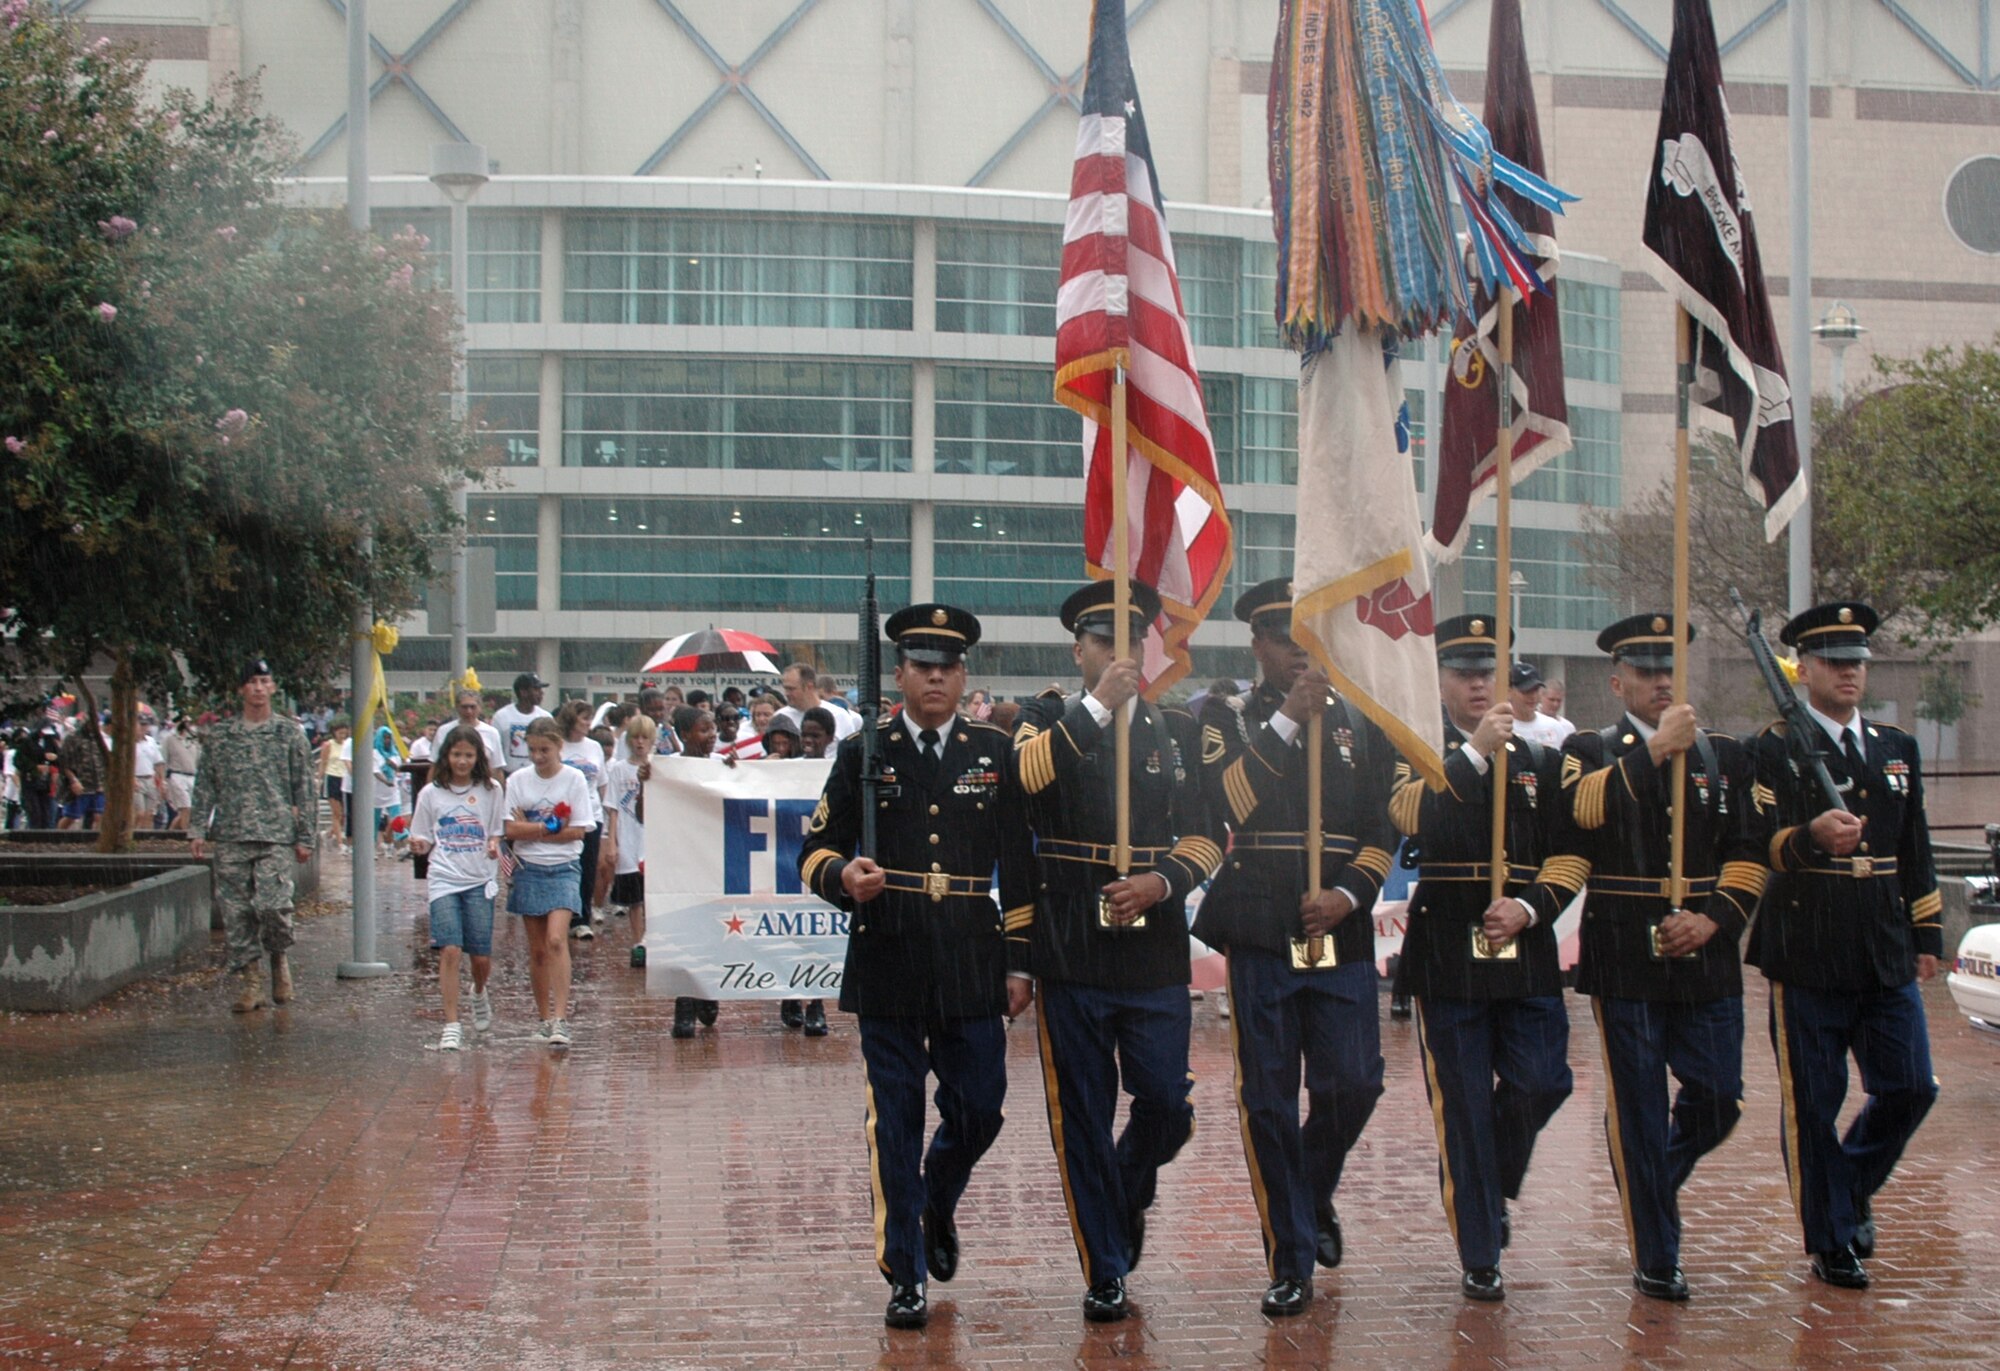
column 1090, row 1036
column 1496, row 1071
column 1327, row 1022
column 969, row 1059
column 1654, row 1147
column 1813, row 1031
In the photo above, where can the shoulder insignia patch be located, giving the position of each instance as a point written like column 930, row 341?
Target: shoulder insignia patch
column 820, row 815
column 1213, row 745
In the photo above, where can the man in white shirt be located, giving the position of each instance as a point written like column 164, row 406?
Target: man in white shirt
column 511, row 721
column 149, row 792
column 1554, row 695
column 468, row 717
column 1524, row 692
column 801, row 684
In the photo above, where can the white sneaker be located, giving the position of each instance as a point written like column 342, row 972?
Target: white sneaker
column 582, row 933
column 482, row 1010
column 542, row 1033
column 448, row 1041
column 559, row 1033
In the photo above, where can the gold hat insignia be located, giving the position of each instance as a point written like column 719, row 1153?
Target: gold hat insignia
column 938, row 616
column 1478, row 625
column 1659, row 623
column 1846, row 616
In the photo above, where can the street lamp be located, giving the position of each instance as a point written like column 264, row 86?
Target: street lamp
column 1517, row 590
column 459, row 170
column 1837, row 329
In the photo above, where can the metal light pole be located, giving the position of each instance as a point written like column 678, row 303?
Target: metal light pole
column 459, row 170
column 362, row 658
column 1799, row 111
column 1837, row 329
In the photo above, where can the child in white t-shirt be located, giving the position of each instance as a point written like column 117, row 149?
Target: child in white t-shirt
column 548, row 810
column 625, row 784
column 458, row 823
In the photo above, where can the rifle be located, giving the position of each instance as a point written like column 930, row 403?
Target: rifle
column 1798, row 724
column 871, row 704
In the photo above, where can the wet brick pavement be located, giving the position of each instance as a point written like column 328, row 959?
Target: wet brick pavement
column 317, row 1187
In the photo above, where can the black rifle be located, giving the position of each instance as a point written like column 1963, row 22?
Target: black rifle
column 871, row 705
column 1799, row 726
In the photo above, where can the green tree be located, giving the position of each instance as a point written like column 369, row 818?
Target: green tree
column 207, row 398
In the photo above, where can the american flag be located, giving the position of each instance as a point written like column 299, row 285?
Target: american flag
column 1120, row 298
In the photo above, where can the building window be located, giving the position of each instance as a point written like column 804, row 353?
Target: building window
column 1039, row 662
column 1263, row 552
column 604, row 655
column 1003, row 421
column 503, row 268
column 507, row 524
column 1008, row 559
column 1558, row 593
column 1589, row 316
column 745, row 415
column 505, row 394
column 1210, row 271
column 498, row 658
column 1260, row 295
column 1589, row 473
column 997, row 280
column 673, row 556
column 1267, row 446
column 737, row 269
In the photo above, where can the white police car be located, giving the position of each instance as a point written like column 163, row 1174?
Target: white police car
column 1975, row 976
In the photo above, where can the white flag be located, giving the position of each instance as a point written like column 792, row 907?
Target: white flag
column 1361, row 592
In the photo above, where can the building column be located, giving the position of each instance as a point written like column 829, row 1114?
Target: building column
column 923, row 552
column 552, row 266
column 923, row 278
column 548, row 580
column 899, row 100
column 565, row 94
column 225, row 42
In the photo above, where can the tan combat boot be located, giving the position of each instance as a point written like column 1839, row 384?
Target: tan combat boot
column 253, row 996
column 281, row 979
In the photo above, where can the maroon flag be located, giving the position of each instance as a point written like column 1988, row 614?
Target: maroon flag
column 1466, row 451
column 1703, row 245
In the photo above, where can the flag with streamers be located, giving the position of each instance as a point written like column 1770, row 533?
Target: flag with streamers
column 1119, row 301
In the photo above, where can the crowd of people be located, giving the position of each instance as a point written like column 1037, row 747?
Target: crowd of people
column 53, row 773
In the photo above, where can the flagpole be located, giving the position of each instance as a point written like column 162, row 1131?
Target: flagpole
column 1121, row 610
column 1503, row 571
column 1676, row 807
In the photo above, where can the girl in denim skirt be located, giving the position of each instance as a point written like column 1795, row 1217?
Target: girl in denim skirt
column 457, row 824
column 548, row 808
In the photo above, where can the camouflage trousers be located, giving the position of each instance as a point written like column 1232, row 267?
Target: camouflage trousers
column 253, row 889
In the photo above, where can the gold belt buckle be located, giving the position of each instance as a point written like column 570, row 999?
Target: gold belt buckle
column 1104, row 919
column 1863, row 867
column 1484, row 950
column 1314, row 954
column 1653, row 944
column 937, row 884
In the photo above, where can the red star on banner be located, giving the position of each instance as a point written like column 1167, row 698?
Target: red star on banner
column 734, row 923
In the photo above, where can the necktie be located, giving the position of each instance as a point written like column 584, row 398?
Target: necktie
column 927, row 743
column 1856, row 768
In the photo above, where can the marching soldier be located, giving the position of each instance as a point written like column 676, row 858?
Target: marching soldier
column 1485, row 973
column 1301, row 961
column 254, row 800
column 1666, row 981
column 1850, row 923
column 926, row 970
column 1110, row 952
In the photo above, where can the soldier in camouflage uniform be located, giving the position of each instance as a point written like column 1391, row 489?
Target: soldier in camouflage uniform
column 253, row 794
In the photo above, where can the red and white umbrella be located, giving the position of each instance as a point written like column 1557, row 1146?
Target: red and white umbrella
column 712, row 649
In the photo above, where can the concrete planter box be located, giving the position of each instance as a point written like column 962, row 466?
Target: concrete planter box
column 154, row 853
column 65, row 957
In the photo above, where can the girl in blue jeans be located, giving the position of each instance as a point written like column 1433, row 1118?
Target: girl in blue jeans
column 458, row 824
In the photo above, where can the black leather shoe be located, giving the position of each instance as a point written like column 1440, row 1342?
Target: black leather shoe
column 1506, row 1228
column 1105, row 1302
column 1840, row 1267
column 1328, row 1248
column 683, row 1017
column 907, row 1307
column 1662, row 1283
column 1864, row 1231
column 1135, row 1236
column 790, row 1013
column 815, row 1019
column 1399, row 1006
column 706, row 1009
column 940, row 1244
column 1286, row 1298
column 1483, row 1283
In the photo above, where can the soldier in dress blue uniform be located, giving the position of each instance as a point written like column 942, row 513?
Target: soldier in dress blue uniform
column 1666, row 981
column 1850, row 922
column 926, row 970
column 1484, row 972
column 1109, row 953
column 1301, row 961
